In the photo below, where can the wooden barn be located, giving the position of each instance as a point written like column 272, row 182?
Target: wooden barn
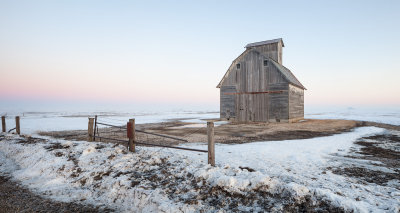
column 258, row 88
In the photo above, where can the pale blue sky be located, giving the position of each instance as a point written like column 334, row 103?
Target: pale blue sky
column 344, row 52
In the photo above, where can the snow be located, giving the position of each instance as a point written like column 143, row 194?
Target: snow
column 48, row 117
column 305, row 161
column 387, row 115
column 57, row 121
column 53, row 116
column 104, row 173
column 101, row 175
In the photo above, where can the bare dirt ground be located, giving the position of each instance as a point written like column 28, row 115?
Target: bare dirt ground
column 384, row 148
column 231, row 133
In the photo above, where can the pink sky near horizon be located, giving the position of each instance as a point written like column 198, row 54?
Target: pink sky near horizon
column 47, row 89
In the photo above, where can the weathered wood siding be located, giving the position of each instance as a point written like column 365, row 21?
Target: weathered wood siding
column 278, row 103
column 296, row 103
column 253, row 76
column 252, row 107
column 227, row 102
column 273, row 51
column 285, row 103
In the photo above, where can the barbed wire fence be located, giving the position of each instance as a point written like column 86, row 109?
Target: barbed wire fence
column 119, row 133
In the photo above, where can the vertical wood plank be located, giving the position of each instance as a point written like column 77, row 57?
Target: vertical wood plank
column 3, row 123
column 211, row 144
column 17, row 127
column 90, row 129
column 131, row 144
column 95, row 127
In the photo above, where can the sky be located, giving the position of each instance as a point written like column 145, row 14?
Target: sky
column 162, row 52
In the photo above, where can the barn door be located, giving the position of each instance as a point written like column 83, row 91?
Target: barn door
column 252, row 107
column 241, row 108
column 245, row 111
column 260, row 108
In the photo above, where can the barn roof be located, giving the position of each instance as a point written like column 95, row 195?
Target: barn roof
column 285, row 71
column 265, row 42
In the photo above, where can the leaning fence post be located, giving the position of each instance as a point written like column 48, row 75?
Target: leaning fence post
column 3, row 123
column 17, row 128
column 90, row 129
column 131, row 134
column 211, row 144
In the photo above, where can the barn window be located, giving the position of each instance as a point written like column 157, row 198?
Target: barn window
column 265, row 62
column 237, row 66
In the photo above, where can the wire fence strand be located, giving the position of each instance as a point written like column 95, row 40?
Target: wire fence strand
column 122, row 128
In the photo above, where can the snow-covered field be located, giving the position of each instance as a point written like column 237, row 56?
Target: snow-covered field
column 74, row 117
column 286, row 174
column 32, row 122
column 388, row 115
column 305, row 162
column 261, row 176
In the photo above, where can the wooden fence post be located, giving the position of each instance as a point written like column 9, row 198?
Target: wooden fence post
column 95, row 127
column 211, row 144
column 3, row 123
column 17, row 127
column 90, row 129
column 131, row 144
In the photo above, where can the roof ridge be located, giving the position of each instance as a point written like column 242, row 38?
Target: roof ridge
column 259, row 43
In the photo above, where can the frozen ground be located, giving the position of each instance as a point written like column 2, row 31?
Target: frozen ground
column 388, row 115
column 295, row 175
column 47, row 117
column 339, row 172
column 309, row 163
column 32, row 122
column 50, row 116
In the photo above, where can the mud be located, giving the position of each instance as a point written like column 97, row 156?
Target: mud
column 370, row 176
column 383, row 148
